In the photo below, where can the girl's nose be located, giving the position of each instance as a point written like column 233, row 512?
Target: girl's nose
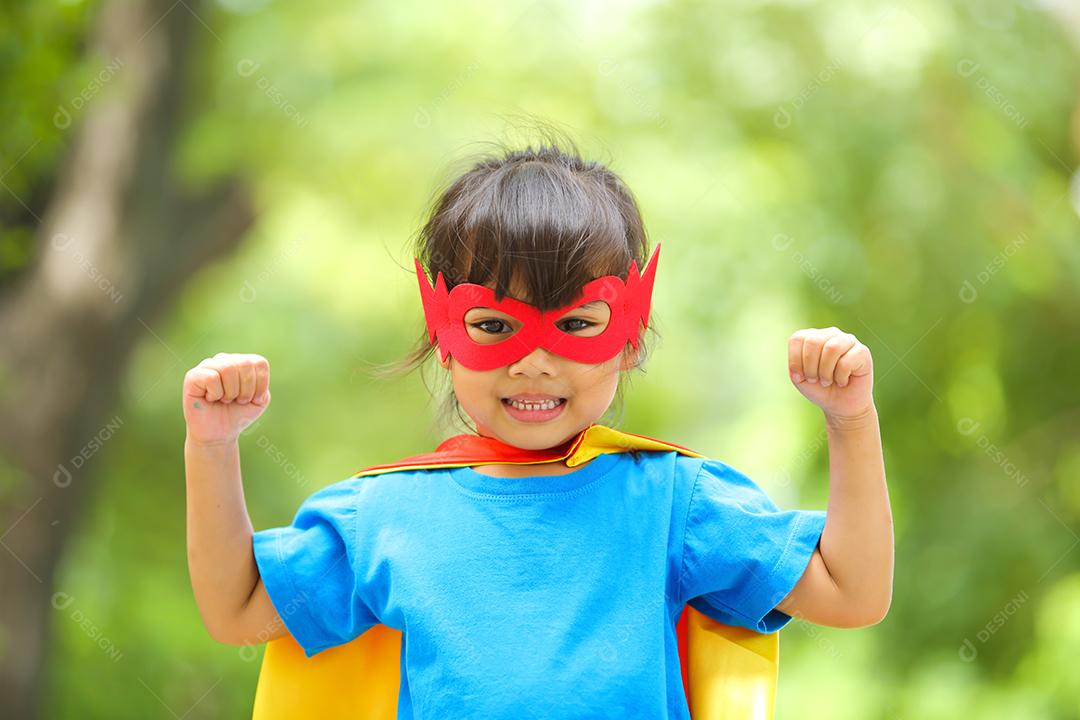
column 537, row 362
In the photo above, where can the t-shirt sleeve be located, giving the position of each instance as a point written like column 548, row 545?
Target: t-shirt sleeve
column 309, row 571
column 741, row 554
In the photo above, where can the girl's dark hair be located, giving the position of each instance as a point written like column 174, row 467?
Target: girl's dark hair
column 541, row 215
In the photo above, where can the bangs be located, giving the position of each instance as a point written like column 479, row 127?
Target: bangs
column 543, row 226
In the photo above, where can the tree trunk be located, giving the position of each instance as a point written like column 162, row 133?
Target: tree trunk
column 118, row 241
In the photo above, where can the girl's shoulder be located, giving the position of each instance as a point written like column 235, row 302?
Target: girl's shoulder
column 346, row 490
column 694, row 470
column 670, row 466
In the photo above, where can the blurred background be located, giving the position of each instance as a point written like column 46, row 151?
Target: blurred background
column 185, row 177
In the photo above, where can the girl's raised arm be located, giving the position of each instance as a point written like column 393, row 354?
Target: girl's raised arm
column 849, row 579
column 222, row 395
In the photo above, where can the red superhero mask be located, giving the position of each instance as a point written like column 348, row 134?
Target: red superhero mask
column 445, row 315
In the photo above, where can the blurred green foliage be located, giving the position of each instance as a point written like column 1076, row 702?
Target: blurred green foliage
column 45, row 78
column 900, row 171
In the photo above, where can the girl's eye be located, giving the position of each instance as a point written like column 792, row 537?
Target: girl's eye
column 585, row 324
column 482, row 326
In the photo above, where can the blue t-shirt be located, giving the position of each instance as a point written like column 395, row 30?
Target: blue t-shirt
column 545, row 596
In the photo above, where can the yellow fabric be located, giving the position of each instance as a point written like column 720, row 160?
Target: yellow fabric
column 354, row 681
column 732, row 671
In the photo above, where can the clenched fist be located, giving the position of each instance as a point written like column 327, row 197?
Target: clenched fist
column 833, row 370
column 224, row 394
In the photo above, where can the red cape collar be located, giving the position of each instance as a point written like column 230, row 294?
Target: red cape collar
column 468, row 450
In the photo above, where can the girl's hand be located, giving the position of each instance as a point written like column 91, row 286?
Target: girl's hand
column 223, row 395
column 833, row 370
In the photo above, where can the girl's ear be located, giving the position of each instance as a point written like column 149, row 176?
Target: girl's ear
column 631, row 356
column 438, row 354
column 630, row 359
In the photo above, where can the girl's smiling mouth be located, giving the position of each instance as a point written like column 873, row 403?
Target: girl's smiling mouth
column 534, row 408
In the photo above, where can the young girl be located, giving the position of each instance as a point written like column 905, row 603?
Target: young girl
column 508, row 562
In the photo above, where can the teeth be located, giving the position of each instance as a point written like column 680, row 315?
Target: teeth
column 546, row 405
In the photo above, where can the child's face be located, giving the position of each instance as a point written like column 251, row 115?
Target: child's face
column 588, row 389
